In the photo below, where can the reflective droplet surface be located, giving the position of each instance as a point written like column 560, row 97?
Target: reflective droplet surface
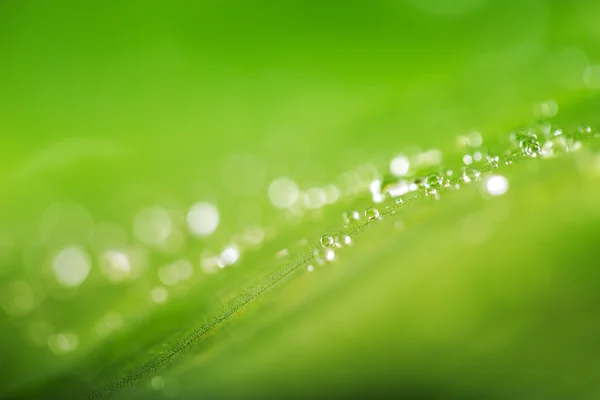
column 433, row 193
column 470, row 175
column 433, row 180
column 371, row 213
column 326, row 240
column 530, row 147
column 347, row 240
column 350, row 217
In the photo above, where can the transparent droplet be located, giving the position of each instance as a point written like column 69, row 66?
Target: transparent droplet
column 492, row 160
column 470, row 175
column 418, row 182
column 530, row 147
column 399, row 201
column 433, row 180
column 371, row 213
column 310, row 268
column 329, row 255
column 319, row 256
column 433, row 193
column 347, row 240
column 326, row 240
column 351, row 216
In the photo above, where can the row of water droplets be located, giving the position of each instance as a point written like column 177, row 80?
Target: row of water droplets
column 401, row 184
column 399, row 187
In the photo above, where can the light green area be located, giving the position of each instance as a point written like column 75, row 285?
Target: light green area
column 126, row 104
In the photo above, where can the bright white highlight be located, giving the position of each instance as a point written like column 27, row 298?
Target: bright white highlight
column 496, row 185
column 399, row 166
column 230, row 255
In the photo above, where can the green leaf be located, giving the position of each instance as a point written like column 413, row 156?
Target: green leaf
column 118, row 121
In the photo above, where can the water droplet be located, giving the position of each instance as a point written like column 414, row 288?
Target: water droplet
column 585, row 130
column 327, row 241
column 371, row 213
column 329, row 255
column 347, row 240
column 492, row 160
column 417, row 183
column 530, row 147
column 351, row 216
column 470, row 175
column 433, row 180
column 433, row 193
column 310, row 268
column 399, row 201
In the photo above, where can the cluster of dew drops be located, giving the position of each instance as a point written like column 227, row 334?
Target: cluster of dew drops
column 478, row 164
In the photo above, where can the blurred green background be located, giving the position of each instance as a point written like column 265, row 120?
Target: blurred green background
column 107, row 109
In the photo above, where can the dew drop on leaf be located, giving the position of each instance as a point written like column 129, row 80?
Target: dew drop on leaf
column 371, row 213
column 470, row 175
column 326, row 240
column 433, row 180
column 530, row 147
column 350, row 217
